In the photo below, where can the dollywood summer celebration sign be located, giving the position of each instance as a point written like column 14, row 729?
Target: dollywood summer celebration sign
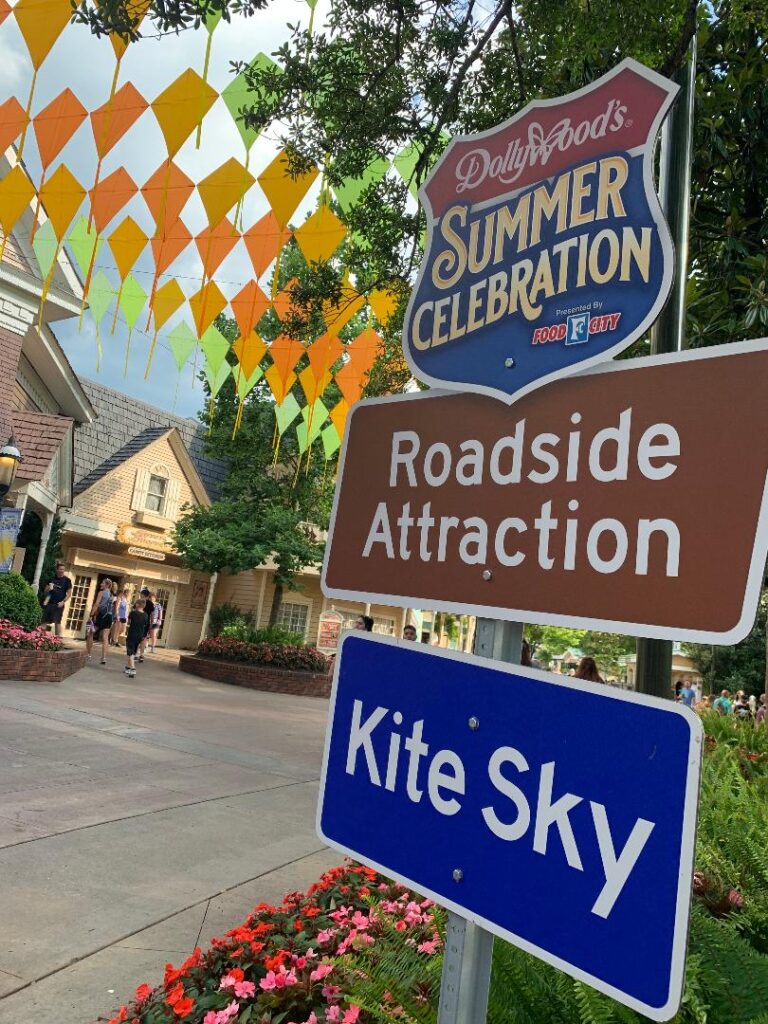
column 547, row 247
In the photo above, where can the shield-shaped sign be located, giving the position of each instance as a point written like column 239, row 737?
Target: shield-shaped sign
column 547, row 250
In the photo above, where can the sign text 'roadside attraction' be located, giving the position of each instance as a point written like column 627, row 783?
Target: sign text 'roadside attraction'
column 547, row 247
column 615, row 500
column 567, row 830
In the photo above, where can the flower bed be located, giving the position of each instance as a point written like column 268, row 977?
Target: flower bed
column 292, row 964
column 36, row 656
column 22, row 639
column 258, row 677
column 298, row 659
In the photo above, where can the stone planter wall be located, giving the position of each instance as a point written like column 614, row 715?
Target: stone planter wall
column 40, row 666
column 258, row 677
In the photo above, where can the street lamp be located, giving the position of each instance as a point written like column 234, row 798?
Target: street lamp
column 10, row 457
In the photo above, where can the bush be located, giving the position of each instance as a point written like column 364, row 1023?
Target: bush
column 22, row 639
column 270, row 635
column 228, row 614
column 304, row 659
column 18, row 602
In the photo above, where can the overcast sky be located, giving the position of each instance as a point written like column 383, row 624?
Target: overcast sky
column 86, row 65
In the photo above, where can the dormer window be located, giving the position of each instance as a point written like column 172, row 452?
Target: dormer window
column 155, row 500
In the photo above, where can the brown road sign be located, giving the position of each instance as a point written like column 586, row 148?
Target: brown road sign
column 629, row 499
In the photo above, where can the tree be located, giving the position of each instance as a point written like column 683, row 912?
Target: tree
column 269, row 510
column 741, row 667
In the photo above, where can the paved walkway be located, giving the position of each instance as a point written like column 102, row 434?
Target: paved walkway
column 137, row 819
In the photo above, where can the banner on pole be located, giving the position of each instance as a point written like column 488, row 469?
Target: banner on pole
column 10, row 523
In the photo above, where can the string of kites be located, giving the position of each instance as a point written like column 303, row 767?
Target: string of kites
column 179, row 111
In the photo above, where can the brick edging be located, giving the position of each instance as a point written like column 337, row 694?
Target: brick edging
column 258, row 677
column 40, row 666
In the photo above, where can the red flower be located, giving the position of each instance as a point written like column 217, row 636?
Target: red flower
column 143, row 992
column 184, row 1007
column 273, row 963
column 175, row 995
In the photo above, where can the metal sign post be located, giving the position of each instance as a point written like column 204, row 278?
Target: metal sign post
column 654, row 656
column 468, row 951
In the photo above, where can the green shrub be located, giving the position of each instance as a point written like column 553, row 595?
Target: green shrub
column 18, row 602
column 228, row 614
column 270, row 635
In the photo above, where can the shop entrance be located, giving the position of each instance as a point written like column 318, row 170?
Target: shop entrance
column 167, row 597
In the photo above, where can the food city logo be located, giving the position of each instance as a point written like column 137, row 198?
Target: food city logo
column 577, row 329
column 554, row 210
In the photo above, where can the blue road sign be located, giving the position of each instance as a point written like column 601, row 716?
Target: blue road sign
column 558, row 814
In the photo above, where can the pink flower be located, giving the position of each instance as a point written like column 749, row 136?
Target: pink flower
column 350, row 1017
column 210, row 1017
column 430, row 946
column 400, row 926
column 278, row 979
column 320, row 972
column 735, row 898
column 245, row 989
column 225, row 1015
column 360, row 920
column 331, row 992
column 325, row 936
column 332, row 1014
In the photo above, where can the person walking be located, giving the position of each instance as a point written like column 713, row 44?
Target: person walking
column 56, row 596
column 156, row 621
column 762, row 711
column 687, row 695
column 588, row 670
column 149, row 608
column 100, row 620
column 138, row 622
column 723, row 705
column 121, row 617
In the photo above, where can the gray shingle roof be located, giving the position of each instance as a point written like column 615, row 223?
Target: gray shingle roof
column 123, row 426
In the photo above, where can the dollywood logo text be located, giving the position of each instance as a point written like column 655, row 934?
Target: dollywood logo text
column 478, row 164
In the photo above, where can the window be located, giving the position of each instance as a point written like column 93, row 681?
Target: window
column 78, row 603
column 156, row 494
column 293, row 617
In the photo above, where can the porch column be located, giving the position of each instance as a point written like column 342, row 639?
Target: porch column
column 45, row 536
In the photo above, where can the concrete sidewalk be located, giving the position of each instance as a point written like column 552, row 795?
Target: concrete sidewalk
column 139, row 818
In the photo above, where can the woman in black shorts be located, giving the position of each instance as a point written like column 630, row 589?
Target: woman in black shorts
column 100, row 620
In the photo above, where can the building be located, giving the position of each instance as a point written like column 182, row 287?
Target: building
column 569, row 659
column 135, row 468
column 41, row 398
column 684, row 669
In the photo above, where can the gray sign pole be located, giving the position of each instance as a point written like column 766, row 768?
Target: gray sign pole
column 654, row 657
column 468, row 948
